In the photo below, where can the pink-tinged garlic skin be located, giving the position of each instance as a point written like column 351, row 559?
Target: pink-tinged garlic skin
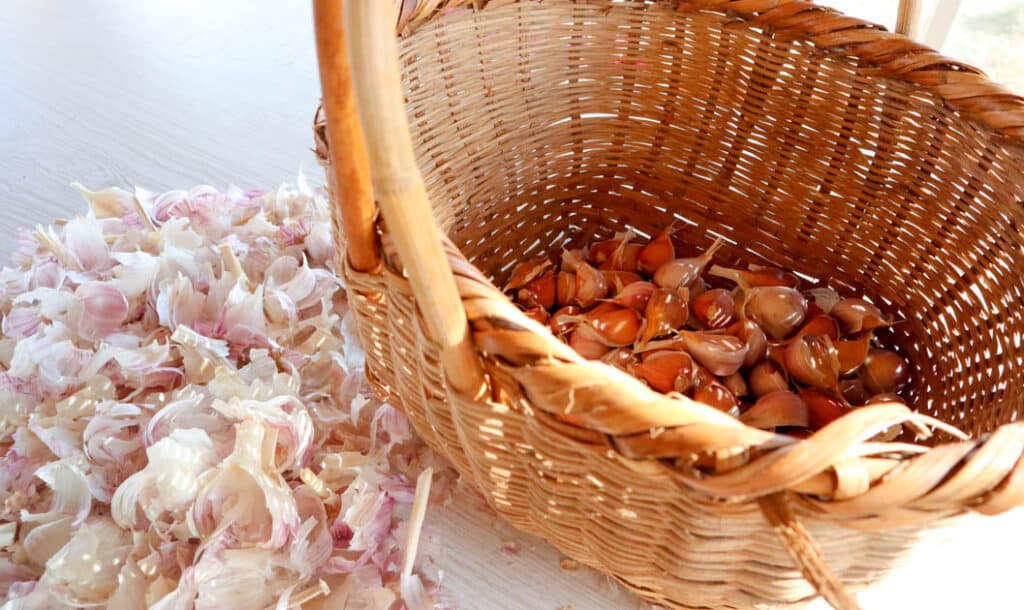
column 185, row 414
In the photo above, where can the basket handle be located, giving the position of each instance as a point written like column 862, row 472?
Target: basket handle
column 398, row 186
column 908, row 20
column 804, row 552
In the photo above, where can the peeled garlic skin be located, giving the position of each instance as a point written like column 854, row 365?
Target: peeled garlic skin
column 776, row 309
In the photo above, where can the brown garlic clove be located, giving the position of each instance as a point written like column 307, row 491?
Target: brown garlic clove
column 823, row 408
column 857, row 315
column 776, row 309
column 590, row 285
column 754, row 337
column 736, row 384
column 821, row 325
column 767, row 377
column 526, row 272
column 713, row 309
column 615, row 328
column 884, row 371
column 662, row 369
column 565, row 288
column 635, row 296
column 563, row 321
column 665, row 313
column 587, row 347
column 659, row 251
column 780, row 409
column 756, row 277
column 722, row 355
column 853, row 352
column 813, row 361
column 681, row 272
column 853, row 391
column 539, row 292
column 716, row 395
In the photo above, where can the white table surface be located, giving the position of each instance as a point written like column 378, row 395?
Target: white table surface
column 171, row 93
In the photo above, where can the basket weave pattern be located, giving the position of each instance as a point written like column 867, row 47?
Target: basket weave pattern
column 807, row 140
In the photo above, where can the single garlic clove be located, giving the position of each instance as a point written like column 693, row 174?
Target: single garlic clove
column 659, row 251
column 813, row 361
column 767, row 377
column 565, row 288
column 722, row 355
column 590, row 285
column 681, row 272
column 853, row 352
column 539, row 292
column 615, row 328
column 857, row 315
column 823, row 408
column 779, row 409
column 635, row 296
column 714, row 308
column 716, row 395
column 573, row 258
column 754, row 337
column 617, row 280
column 623, row 258
column 661, row 369
column 563, row 321
column 525, row 272
column 665, row 313
column 621, row 358
column 756, row 277
column 585, row 346
column 884, row 371
column 853, row 391
column 820, row 326
column 736, row 384
column 777, row 309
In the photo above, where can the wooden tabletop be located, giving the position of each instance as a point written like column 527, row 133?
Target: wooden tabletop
column 172, row 93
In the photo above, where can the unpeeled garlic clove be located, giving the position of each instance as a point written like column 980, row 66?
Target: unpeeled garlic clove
column 853, row 352
column 884, row 371
column 525, row 272
column 539, row 292
column 624, row 258
column 776, row 309
column 617, row 280
column 813, row 361
column 662, row 369
column 722, row 355
column 823, row 408
column 666, row 312
column 659, row 251
column 563, row 321
column 716, row 395
column 565, row 288
column 615, row 328
column 853, row 391
column 756, row 277
column 754, row 337
column 780, row 409
column 590, row 285
column 635, row 296
column 621, row 358
column 767, row 377
column 713, row 308
column 821, row 325
column 600, row 252
column 681, row 272
column 857, row 315
column 736, row 384
column 588, row 347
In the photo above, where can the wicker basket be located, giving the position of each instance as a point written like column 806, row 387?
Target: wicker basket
column 806, row 139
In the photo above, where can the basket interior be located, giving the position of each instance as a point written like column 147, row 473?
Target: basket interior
column 542, row 125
